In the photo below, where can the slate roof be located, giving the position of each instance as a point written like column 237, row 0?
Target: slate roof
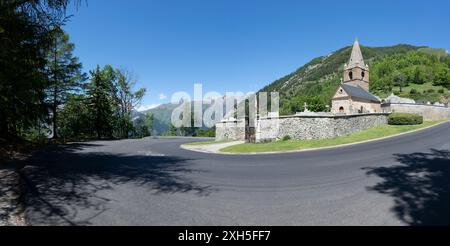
column 358, row 92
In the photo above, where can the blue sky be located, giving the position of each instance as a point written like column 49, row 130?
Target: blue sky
column 240, row 45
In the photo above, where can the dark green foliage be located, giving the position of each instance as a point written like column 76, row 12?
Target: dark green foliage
column 143, row 127
column 211, row 132
column 442, row 76
column 25, row 28
column 399, row 79
column 100, row 103
column 405, row 119
column 140, row 128
column 297, row 104
column 41, row 84
column 173, row 131
column 149, row 119
column 74, row 119
column 286, row 138
column 410, row 68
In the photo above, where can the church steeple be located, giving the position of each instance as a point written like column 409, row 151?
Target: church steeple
column 356, row 58
column 356, row 72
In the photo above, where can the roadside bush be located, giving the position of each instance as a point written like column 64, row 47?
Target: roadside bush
column 430, row 90
column 413, row 91
column 405, row 119
column 286, row 138
column 441, row 91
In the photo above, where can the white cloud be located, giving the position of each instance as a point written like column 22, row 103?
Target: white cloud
column 146, row 107
column 162, row 96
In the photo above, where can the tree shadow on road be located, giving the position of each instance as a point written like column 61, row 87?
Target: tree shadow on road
column 65, row 181
column 420, row 187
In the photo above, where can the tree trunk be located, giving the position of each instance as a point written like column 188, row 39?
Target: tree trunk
column 54, row 109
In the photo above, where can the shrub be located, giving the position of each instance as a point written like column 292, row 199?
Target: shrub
column 286, row 138
column 413, row 91
column 430, row 90
column 405, row 119
column 441, row 91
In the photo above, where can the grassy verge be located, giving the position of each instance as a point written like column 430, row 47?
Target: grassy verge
column 370, row 134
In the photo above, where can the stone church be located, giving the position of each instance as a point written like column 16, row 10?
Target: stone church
column 353, row 96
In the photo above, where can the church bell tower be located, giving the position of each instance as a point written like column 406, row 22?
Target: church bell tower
column 356, row 72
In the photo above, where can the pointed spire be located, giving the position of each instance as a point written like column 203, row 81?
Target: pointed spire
column 356, row 59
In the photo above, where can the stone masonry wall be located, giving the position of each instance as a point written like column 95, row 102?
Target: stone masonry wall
column 316, row 127
column 429, row 112
column 230, row 131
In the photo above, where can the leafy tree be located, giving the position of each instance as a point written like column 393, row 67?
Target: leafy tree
column 64, row 70
column 74, row 118
column 399, row 80
column 313, row 103
column 419, row 75
column 126, row 99
column 442, row 76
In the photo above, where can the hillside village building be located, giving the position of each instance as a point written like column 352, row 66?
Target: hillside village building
column 353, row 96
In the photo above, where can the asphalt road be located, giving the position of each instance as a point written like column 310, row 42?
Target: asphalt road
column 403, row 180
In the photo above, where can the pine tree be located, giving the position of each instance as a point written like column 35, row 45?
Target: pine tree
column 24, row 32
column 100, row 103
column 149, row 122
column 64, row 70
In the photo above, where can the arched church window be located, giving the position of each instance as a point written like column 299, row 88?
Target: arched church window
column 341, row 110
column 350, row 75
column 363, row 74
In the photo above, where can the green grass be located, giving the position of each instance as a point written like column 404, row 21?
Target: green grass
column 373, row 133
column 421, row 87
column 422, row 92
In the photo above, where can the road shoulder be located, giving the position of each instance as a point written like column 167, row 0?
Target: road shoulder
column 11, row 195
column 210, row 148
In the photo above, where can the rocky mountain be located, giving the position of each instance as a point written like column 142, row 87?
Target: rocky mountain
column 162, row 115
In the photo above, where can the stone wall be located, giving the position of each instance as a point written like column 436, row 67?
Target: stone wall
column 316, row 127
column 429, row 112
column 230, row 130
